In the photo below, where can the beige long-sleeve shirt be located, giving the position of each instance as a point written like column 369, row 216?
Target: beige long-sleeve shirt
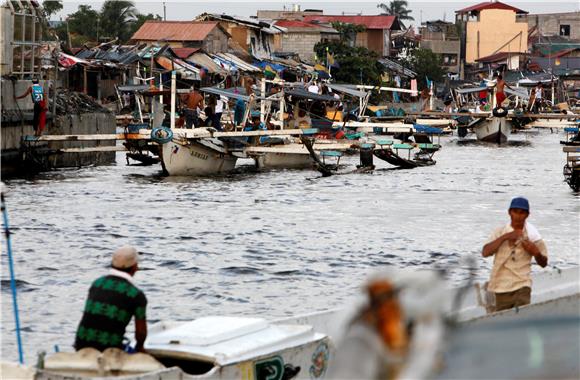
column 512, row 264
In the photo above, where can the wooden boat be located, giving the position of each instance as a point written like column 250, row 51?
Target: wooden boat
column 423, row 156
column 492, row 129
column 187, row 153
column 572, row 167
column 304, row 346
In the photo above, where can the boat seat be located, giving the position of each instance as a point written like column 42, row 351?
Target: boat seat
column 310, row 131
column 571, row 129
column 330, row 153
column 402, row 146
column 428, row 146
column 367, row 146
column 384, row 142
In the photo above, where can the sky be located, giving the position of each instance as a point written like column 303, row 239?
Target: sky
column 421, row 10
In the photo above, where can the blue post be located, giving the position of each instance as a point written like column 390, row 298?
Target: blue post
column 12, row 277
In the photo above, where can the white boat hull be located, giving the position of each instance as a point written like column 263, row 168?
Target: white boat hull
column 283, row 161
column 493, row 129
column 195, row 159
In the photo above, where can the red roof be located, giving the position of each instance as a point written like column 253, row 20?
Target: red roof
column 370, row 22
column 490, row 5
column 184, row 53
column 174, row 31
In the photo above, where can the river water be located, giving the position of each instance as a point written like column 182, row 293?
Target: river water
column 272, row 243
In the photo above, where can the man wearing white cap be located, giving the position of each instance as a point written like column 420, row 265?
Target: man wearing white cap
column 113, row 300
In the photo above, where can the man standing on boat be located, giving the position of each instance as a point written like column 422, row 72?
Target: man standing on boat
column 113, row 300
column 513, row 247
column 500, row 95
column 193, row 101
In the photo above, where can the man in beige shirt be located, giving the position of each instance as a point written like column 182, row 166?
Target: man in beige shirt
column 513, row 247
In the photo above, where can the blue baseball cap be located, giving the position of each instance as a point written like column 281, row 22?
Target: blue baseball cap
column 520, row 203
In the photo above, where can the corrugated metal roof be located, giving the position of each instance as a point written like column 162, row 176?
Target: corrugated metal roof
column 184, row 53
column 301, row 24
column 174, row 31
column 491, row 5
column 370, row 22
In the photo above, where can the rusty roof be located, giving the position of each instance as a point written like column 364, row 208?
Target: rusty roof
column 183, row 53
column 491, row 5
column 370, row 22
column 153, row 30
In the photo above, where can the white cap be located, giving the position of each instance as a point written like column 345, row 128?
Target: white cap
column 125, row 257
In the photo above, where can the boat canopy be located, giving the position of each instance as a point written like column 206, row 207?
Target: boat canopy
column 347, row 90
column 232, row 92
column 470, row 90
column 302, row 93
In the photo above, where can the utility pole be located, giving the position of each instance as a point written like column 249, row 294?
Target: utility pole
column 164, row 12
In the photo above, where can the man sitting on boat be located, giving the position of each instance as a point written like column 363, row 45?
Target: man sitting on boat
column 113, row 300
column 513, row 247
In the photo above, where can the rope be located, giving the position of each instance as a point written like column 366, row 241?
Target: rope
column 12, row 277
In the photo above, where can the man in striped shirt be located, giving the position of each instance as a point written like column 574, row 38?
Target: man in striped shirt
column 113, row 300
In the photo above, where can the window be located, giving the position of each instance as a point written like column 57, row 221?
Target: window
column 565, row 30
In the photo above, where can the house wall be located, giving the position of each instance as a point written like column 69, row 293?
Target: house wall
column 549, row 24
column 494, row 28
column 216, row 42
column 362, row 39
column 375, row 41
column 449, row 49
column 301, row 43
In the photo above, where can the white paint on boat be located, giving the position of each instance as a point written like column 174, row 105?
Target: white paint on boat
column 196, row 157
column 493, row 129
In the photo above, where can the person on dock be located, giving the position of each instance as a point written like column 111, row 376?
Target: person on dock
column 38, row 96
column 500, row 95
column 513, row 247
column 113, row 300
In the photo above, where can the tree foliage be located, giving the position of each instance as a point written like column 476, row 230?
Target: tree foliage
column 115, row 20
column 348, row 32
column 354, row 64
column 397, row 8
column 51, row 7
column 426, row 64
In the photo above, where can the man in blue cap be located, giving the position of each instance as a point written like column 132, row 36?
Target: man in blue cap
column 513, row 247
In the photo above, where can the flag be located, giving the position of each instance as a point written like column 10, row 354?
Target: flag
column 319, row 67
column 329, row 58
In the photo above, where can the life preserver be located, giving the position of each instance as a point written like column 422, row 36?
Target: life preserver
column 161, row 135
column 499, row 112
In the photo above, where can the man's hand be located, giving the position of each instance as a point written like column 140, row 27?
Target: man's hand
column 530, row 247
column 514, row 235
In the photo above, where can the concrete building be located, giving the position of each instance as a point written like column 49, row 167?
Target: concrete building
column 301, row 37
column 442, row 38
column 290, row 13
column 253, row 36
column 489, row 28
column 565, row 25
column 209, row 36
column 377, row 34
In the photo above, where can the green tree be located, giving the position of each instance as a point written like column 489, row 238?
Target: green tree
column 51, row 7
column 348, row 32
column 355, row 64
column 426, row 64
column 117, row 17
column 82, row 23
column 397, row 8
